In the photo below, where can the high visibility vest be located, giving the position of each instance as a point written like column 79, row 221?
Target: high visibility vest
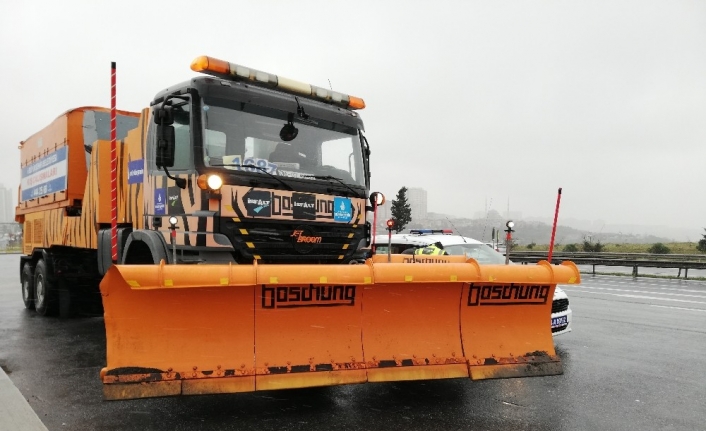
column 429, row 250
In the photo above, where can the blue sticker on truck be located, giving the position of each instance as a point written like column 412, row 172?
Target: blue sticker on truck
column 160, row 201
column 342, row 209
column 46, row 175
column 135, row 171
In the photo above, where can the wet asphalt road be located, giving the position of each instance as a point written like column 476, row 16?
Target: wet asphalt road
column 636, row 360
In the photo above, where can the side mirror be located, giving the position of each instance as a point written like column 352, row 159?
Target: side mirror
column 164, row 119
column 165, row 146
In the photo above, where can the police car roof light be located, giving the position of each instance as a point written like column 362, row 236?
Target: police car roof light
column 431, row 231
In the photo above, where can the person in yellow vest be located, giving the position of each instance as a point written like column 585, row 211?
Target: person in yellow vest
column 432, row 249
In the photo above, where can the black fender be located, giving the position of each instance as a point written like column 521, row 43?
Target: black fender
column 105, row 247
column 26, row 259
column 154, row 240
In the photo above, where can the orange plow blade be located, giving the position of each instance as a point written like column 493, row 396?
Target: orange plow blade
column 197, row 329
column 504, row 320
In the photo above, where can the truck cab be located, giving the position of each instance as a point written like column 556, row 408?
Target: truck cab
column 250, row 166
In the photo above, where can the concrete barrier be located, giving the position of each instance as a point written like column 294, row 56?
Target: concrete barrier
column 15, row 412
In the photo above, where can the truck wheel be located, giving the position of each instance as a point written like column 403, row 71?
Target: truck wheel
column 28, row 286
column 43, row 292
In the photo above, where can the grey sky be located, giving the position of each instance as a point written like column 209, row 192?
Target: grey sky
column 474, row 101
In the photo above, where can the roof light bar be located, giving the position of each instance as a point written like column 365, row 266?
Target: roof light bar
column 431, row 231
column 223, row 69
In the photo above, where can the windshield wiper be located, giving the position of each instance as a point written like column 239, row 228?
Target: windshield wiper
column 329, row 177
column 260, row 168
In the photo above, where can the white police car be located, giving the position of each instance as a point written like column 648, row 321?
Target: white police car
column 457, row 245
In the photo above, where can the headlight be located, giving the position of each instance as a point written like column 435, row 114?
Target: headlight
column 212, row 181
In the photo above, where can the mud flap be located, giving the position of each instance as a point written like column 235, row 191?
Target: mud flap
column 196, row 329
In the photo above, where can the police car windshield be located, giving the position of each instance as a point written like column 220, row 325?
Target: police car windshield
column 483, row 254
column 237, row 136
column 480, row 252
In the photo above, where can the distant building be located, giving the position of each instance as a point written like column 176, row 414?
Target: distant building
column 417, row 199
column 7, row 207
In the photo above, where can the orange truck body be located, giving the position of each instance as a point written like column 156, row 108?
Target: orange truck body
column 69, row 213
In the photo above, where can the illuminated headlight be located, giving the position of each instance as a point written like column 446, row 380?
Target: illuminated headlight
column 209, row 182
column 214, row 182
column 173, row 220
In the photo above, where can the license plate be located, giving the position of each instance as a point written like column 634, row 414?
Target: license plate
column 559, row 321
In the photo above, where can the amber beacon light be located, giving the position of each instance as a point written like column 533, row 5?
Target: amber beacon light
column 234, row 72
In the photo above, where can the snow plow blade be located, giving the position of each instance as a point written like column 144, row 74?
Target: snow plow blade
column 201, row 329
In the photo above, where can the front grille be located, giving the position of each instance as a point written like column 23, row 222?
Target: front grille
column 273, row 240
column 559, row 305
column 559, row 328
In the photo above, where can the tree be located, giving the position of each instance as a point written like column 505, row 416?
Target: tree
column 598, row 247
column 571, row 248
column 401, row 210
column 659, row 248
column 588, row 246
column 701, row 246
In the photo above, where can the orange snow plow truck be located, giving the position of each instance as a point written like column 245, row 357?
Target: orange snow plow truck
column 242, row 198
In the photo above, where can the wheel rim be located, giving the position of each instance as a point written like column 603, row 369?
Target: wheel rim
column 40, row 291
column 25, row 290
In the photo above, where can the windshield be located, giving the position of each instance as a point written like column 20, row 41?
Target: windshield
column 480, row 252
column 250, row 135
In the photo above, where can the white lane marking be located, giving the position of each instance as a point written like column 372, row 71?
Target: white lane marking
column 678, row 308
column 642, row 282
column 643, row 291
column 634, row 285
column 646, row 297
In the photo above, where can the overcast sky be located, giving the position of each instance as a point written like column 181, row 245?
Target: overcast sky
column 476, row 102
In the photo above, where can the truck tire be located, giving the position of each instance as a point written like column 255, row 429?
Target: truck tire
column 28, row 286
column 44, row 302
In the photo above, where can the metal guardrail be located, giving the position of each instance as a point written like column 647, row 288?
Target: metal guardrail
column 633, row 260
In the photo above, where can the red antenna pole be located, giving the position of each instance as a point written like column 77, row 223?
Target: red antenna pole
column 375, row 221
column 556, row 217
column 113, row 169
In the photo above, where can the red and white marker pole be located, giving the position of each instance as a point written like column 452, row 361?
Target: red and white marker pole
column 113, row 169
column 556, row 217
